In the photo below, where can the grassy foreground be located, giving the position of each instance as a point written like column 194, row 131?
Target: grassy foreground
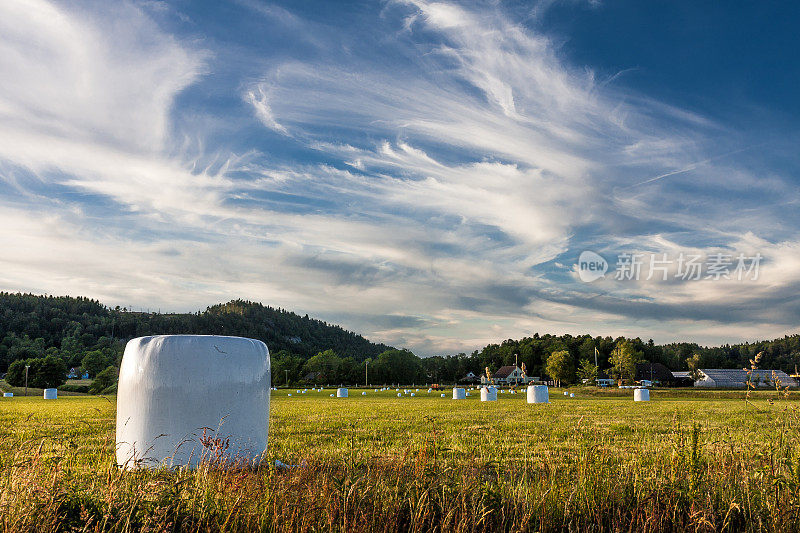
column 684, row 461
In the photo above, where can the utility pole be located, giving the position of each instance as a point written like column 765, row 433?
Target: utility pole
column 26, row 379
column 366, row 374
column 287, row 378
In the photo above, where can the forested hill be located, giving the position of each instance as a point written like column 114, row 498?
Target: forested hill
column 33, row 326
column 782, row 354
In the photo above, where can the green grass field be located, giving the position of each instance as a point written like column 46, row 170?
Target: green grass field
column 686, row 460
column 33, row 391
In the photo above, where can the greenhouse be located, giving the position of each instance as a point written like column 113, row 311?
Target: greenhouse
column 737, row 378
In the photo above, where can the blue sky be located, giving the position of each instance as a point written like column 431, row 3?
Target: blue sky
column 425, row 173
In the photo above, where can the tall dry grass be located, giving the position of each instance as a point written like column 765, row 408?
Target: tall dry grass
column 690, row 483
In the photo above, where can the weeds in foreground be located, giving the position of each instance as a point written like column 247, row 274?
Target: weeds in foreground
column 686, row 478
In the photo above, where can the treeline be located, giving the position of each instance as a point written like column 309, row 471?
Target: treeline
column 84, row 333
column 534, row 352
column 34, row 326
column 327, row 368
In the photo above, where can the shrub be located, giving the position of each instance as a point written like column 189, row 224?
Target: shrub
column 44, row 372
column 74, row 388
column 104, row 380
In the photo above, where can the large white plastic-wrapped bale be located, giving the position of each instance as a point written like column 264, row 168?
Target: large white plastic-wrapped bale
column 8, row 395
column 413, row 394
column 183, row 399
column 641, row 395
column 50, row 394
column 364, row 393
column 538, row 394
column 341, row 392
column 459, row 394
column 488, row 394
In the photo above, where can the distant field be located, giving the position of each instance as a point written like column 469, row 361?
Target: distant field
column 704, row 461
column 32, row 391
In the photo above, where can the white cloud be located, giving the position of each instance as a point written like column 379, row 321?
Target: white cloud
column 259, row 99
column 471, row 165
column 105, row 76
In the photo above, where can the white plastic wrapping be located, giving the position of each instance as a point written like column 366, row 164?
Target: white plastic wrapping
column 341, row 393
column 641, row 395
column 459, row 394
column 538, row 394
column 50, row 394
column 8, row 395
column 187, row 398
column 488, row 394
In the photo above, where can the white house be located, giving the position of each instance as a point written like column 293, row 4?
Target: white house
column 509, row 375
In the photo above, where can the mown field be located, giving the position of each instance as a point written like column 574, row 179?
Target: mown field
column 688, row 460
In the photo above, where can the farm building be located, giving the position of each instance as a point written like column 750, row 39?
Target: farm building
column 602, row 380
column 469, row 378
column 509, row 375
column 735, row 378
column 77, row 373
column 683, row 378
column 313, row 376
column 655, row 373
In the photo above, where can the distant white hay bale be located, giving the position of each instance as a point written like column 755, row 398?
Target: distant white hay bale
column 467, row 394
column 341, row 392
column 50, row 394
column 571, row 394
column 413, row 394
column 538, row 394
column 8, row 395
column 331, row 395
column 429, row 391
column 399, row 394
column 364, row 393
column 488, row 394
column 416, row 390
column 459, row 393
column 566, row 393
column 641, row 395
column 183, row 399
column 289, row 394
column 443, row 395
